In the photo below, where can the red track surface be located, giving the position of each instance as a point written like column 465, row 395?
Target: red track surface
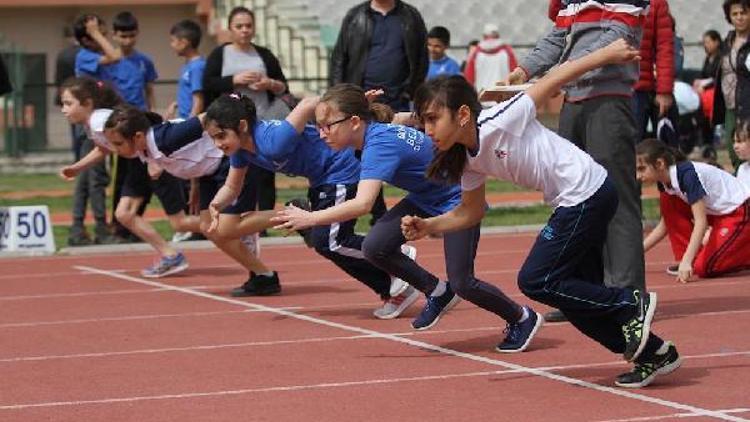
column 86, row 339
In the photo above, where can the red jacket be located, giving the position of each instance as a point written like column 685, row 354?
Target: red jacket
column 553, row 9
column 657, row 50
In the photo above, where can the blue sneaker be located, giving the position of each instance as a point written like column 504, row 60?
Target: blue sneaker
column 519, row 335
column 435, row 308
column 167, row 265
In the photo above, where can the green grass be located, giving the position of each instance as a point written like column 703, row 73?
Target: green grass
column 32, row 182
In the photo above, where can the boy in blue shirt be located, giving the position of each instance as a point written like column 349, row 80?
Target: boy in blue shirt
column 184, row 38
column 135, row 73
column 438, row 40
column 97, row 56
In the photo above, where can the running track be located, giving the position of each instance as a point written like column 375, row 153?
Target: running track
column 87, row 339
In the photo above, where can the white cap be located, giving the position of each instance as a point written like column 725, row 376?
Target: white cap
column 490, row 29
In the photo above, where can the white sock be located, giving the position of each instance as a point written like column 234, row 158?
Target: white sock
column 439, row 289
column 663, row 349
column 524, row 314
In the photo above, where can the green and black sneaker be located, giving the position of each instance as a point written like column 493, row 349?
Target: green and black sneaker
column 644, row 373
column 637, row 329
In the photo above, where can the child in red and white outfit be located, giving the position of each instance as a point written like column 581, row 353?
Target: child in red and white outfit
column 696, row 197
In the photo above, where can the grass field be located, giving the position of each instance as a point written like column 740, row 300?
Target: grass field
column 52, row 192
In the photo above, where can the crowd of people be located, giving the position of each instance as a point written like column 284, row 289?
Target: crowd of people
column 399, row 111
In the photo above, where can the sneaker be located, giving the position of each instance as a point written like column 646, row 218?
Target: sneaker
column 79, row 240
column 396, row 305
column 259, row 285
column 555, row 316
column 304, row 204
column 673, row 270
column 167, row 265
column 398, row 285
column 435, row 308
column 519, row 334
column 637, row 329
column 252, row 242
column 181, row 236
column 644, row 373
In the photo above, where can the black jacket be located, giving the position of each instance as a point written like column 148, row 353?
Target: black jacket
column 350, row 53
column 742, row 93
column 214, row 84
column 5, row 86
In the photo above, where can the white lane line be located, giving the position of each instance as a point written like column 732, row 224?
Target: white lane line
column 50, row 275
column 427, row 346
column 123, row 318
column 674, row 415
column 79, row 294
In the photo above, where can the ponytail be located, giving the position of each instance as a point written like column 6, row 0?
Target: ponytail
column 100, row 93
column 227, row 111
column 128, row 120
column 381, row 113
column 654, row 149
column 350, row 100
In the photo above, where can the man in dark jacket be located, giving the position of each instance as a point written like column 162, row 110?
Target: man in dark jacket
column 382, row 44
column 5, row 86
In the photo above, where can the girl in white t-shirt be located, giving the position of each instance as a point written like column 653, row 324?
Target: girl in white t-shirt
column 564, row 268
column 742, row 149
column 693, row 198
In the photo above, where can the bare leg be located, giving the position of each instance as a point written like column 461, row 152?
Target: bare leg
column 127, row 214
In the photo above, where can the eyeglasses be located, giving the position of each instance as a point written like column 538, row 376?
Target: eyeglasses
column 326, row 128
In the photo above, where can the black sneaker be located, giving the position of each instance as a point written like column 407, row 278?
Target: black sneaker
column 673, row 270
column 644, row 373
column 555, row 316
column 637, row 329
column 79, row 240
column 304, row 204
column 259, row 285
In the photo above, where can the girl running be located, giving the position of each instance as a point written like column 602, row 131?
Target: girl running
column 399, row 155
column 564, row 268
column 87, row 102
column 291, row 146
column 183, row 150
column 695, row 198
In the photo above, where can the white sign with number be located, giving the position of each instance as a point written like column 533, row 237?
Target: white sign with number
column 26, row 228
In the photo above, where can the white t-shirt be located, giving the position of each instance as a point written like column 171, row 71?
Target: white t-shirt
column 693, row 181
column 743, row 174
column 96, row 128
column 514, row 146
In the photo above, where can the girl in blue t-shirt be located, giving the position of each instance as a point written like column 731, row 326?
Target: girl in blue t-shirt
column 183, row 150
column 292, row 147
column 398, row 155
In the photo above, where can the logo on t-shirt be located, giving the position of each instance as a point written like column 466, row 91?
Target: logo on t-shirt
column 499, row 153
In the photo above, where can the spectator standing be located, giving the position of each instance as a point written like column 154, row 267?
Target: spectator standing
column 491, row 61
column 733, row 76
column 382, row 45
column 438, row 40
column 184, row 38
column 705, row 87
column 597, row 116
column 653, row 91
column 254, row 71
column 65, row 67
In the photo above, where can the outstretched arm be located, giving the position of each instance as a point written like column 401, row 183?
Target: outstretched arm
column 293, row 218
column 226, row 195
column 700, row 225
column 94, row 156
column 303, row 113
column 617, row 52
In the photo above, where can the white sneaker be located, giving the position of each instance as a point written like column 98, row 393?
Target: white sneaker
column 673, row 270
column 181, row 236
column 394, row 306
column 252, row 242
column 398, row 286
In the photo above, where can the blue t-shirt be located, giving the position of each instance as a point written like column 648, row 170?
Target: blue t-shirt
column 131, row 74
column 279, row 148
column 87, row 64
column 400, row 155
column 191, row 76
column 445, row 66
